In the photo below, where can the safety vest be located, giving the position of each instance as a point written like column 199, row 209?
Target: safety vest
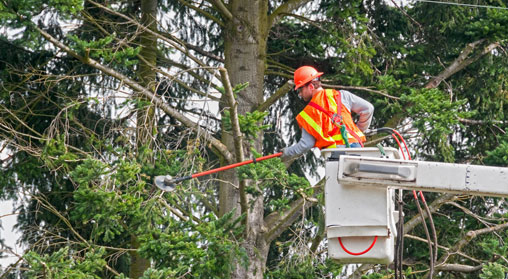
column 316, row 119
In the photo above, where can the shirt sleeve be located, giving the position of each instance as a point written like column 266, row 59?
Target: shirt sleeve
column 306, row 142
column 363, row 108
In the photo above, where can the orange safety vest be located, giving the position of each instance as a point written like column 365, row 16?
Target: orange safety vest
column 316, row 119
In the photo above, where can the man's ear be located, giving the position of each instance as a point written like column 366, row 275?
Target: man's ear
column 311, row 86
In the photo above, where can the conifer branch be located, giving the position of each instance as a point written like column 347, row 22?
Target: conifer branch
column 457, row 65
column 461, row 62
column 469, row 236
column 204, row 13
column 285, row 8
column 277, row 222
column 218, row 145
column 172, row 41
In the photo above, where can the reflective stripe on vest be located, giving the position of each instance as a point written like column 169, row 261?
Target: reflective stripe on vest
column 319, row 129
column 317, row 120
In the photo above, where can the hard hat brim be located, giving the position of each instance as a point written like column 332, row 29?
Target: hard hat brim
column 305, row 81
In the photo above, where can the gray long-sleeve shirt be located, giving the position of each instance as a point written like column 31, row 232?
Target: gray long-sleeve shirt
column 353, row 103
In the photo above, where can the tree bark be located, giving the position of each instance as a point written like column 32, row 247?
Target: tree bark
column 146, row 74
column 146, row 114
column 245, row 58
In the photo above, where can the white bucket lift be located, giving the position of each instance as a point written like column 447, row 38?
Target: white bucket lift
column 360, row 221
column 359, row 200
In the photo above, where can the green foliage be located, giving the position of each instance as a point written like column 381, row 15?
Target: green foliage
column 108, row 197
column 236, row 89
column 89, row 172
column 492, row 246
column 272, row 179
column 493, row 271
column 56, row 154
column 162, row 273
column 30, row 8
column 110, row 202
column 304, row 267
column 67, row 6
column 499, row 156
column 101, row 185
column 240, row 87
column 249, row 123
column 103, row 49
column 374, row 275
column 434, row 113
column 206, row 249
column 62, row 265
column 492, row 25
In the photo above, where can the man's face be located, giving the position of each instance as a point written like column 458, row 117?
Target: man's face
column 305, row 92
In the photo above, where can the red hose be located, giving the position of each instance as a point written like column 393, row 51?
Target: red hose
column 359, row 253
column 400, row 146
column 409, row 158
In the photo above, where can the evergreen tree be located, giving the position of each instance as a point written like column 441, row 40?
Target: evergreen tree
column 99, row 97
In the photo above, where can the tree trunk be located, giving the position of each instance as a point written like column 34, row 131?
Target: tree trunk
column 146, row 74
column 145, row 115
column 245, row 55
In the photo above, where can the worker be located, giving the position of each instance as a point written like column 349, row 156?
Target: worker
column 315, row 120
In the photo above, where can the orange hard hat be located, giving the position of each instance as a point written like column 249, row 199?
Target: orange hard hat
column 305, row 74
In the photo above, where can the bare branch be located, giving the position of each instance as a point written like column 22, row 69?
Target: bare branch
column 44, row 203
column 218, row 145
column 459, row 268
column 196, row 49
column 285, row 8
column 174, row 42
column 407, row 15
column 168, row 62
column 470, row 213
column 222, row 8
column 277, row 222
column 238, row 138
column 468, row 238
column 479, row 122
column 442, row 247
column 461, row 62
column 204, row 13
column 383, row 93
column 237, row 133
column 276, row 96
column 433, row 207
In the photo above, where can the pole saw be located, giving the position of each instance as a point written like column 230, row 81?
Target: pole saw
column 168, row 183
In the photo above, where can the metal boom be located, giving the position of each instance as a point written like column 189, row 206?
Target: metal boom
column 424, row 176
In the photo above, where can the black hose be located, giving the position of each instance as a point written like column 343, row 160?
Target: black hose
column 428, row 236
column 434, row 234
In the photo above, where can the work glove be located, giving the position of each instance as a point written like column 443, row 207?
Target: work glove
column 286, row 159
column 284, row 155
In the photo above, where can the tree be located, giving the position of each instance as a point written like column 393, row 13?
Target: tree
column 94, row 192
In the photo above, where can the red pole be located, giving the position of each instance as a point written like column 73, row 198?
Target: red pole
column 232, row 166
column 167, row 183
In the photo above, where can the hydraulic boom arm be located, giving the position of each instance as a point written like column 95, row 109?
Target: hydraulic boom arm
column 423, row 175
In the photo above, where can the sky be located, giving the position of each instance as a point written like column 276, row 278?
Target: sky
column 7, row 233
